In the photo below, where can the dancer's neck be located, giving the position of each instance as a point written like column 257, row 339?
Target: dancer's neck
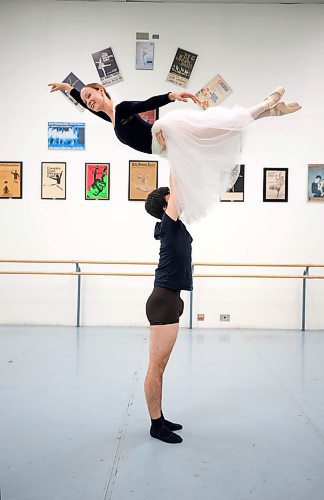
column 109, row 109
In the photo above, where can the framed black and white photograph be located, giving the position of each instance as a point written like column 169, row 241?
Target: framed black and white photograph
column 107, row 67
column 53, row 180
column 236, row 193
column 275, row 184
column 11, row 179
column 315, row 182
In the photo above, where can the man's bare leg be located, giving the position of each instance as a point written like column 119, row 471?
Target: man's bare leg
column 162, row 340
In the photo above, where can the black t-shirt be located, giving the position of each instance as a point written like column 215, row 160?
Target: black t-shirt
column 174, row 269
column 130, row 128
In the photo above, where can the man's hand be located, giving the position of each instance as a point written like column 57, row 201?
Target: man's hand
column 161, row 139
column 60, row 86
column 183, row 96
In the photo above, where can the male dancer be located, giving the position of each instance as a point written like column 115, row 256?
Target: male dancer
column 164, row 306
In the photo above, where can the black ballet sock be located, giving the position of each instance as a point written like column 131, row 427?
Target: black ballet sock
column 160, row 431
column 171, row 425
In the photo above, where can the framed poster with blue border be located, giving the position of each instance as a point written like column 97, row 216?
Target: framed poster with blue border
column 66, row 135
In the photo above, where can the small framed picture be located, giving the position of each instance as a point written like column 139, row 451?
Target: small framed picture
column 11, row 179
column 76, row 83
column 107, row 67
column 275, row 184
column 150, row 116
column 97, row 181
column 315, row 182
column 144, row 55
column 143, row 178
column 182, row 67
column 214, row 92
column 236, row 193
column 66, row 135
column 53, row 180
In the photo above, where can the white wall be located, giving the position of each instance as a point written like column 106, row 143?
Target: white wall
column 255, row 48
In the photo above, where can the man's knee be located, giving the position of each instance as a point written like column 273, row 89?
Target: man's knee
column 158, row 365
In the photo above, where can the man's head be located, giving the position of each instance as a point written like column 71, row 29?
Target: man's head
column 318, row 179
column 157, row 202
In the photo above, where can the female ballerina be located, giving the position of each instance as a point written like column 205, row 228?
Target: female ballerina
column 202, row 147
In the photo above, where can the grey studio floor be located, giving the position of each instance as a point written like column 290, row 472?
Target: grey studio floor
column 74, row 425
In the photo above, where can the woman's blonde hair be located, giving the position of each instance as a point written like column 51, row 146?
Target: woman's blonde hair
column 98, row 86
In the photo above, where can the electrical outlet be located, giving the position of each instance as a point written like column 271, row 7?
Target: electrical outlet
column 200, row 317
column 225, row 317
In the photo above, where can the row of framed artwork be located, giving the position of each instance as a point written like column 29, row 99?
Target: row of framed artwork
column 143, row 178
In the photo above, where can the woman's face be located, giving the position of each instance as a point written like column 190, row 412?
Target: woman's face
column 92, row 98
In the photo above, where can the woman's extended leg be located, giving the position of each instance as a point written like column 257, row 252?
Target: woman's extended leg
column 280, row 109
column 268, row 103
column 272, row 106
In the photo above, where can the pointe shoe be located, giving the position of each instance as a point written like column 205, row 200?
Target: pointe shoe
column 273, row 99
column 281, row 108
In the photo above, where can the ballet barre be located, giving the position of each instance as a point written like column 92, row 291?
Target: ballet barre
column 305, row 276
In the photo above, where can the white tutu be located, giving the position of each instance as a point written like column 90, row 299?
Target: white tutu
column 203, row 149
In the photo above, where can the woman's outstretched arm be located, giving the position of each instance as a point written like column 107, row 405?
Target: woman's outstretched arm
column 134, row 107
column 68, row 89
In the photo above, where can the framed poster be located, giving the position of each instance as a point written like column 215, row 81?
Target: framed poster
column 214, row 92
column 74, row 81
column 150, row 116
column 236, row 193
column 11, row 179
column 144, row 55
column 66, row 135
column 182, row 67
column 97, row 181
column 315, row 182
column 107, row 67
column 53, row 180
column 275, row 184
column 143, row 178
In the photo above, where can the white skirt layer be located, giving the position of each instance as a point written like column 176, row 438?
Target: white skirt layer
column 203, row 149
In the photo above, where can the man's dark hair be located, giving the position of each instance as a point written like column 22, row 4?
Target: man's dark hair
column 318, row 177
column 155, row 202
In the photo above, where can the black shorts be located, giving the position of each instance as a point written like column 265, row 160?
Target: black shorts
column 164, row 306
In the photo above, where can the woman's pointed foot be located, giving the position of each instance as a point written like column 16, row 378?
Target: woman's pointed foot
column 281, row 108
column 274, row 97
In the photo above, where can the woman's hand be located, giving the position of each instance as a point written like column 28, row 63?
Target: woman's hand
column 60, row 86
column 183, row 96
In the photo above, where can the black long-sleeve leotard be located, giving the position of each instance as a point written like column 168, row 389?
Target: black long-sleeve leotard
column 130, row 128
